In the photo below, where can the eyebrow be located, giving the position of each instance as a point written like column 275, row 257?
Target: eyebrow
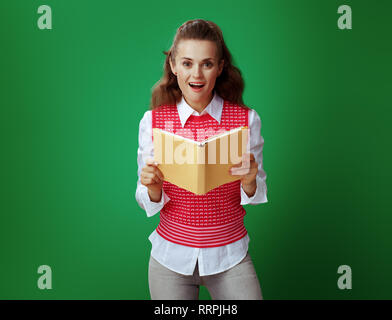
column 206, row 59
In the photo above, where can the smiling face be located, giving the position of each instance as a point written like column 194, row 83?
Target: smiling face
column 197, row 67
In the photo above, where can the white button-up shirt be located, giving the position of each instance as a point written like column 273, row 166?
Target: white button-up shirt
column 179, row 258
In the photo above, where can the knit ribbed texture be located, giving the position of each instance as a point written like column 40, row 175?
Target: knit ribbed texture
column 217, row 217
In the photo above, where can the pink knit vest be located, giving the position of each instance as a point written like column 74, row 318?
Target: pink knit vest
column 217, row 217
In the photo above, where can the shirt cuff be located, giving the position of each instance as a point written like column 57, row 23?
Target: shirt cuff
column 260, row 195
column 152, row 207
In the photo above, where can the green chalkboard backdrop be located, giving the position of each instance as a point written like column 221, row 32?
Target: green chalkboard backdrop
column 71, row 101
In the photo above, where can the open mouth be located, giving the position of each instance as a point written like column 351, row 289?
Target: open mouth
column 196, row 85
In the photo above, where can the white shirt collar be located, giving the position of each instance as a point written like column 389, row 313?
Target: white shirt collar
column 214, row 108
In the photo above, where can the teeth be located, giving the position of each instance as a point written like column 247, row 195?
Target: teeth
column 197, row 84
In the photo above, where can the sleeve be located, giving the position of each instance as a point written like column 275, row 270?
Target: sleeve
column 145, row 151
column 256, row 147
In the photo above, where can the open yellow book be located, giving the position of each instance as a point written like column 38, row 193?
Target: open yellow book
column 199, row 166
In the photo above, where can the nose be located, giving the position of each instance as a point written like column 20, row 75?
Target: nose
column 196, row 71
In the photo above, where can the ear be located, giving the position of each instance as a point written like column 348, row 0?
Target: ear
column 173, row 67
column 221, row 64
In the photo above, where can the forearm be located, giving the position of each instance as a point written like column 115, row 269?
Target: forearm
column 155, row 196
column 250, row 189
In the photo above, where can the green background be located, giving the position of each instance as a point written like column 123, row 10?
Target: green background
column 71, row 101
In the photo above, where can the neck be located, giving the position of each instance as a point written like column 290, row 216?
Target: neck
column 199, row 106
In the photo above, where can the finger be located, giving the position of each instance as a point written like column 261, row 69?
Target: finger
column 243, row 164
column 155, row 176
column 157, row 179
column 245, row 171
column 160, row 174
column 238, row 165
column 155, row 170
column 240, row 171
column 145, row 181
column 150, row 181
column 149, row 175
column 246, row 160
column 248, row 155
column 148, row 169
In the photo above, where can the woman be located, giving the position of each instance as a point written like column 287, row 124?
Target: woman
column 201, row 239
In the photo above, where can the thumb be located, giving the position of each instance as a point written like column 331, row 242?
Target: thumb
column 245, row 160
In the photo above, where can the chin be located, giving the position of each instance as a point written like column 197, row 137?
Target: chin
column 199, row 95
column 198, row 99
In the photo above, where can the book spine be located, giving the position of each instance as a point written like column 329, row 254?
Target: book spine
column 201, row 170
column 201, row 179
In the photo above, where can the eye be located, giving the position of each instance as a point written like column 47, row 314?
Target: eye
column 186, row 63
column 208, row 64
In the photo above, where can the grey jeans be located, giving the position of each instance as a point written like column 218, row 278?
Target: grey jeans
column 237, row 283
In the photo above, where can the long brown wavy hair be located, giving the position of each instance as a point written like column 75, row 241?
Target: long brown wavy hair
column 229, row 85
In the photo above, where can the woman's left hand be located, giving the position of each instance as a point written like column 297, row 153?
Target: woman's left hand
column 247, row 169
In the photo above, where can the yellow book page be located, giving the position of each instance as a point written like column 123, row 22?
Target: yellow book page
column 177, row 159
column 222, row 154
column 198, row 168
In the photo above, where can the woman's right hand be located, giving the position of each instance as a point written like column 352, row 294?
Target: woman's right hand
column 152, row 178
